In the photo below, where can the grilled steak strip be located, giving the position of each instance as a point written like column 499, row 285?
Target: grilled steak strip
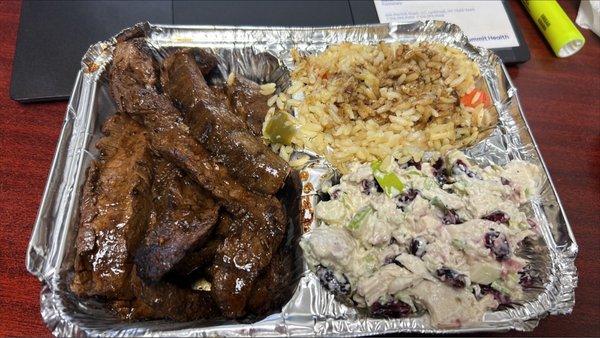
column 246, row 253
column 115, row 208
column 133, row 80
column 274, row 286
column 249, row 160
column 240, row 258
column 182, row 218
column 251, row 106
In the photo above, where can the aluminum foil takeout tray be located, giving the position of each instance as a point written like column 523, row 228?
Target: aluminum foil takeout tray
column 263, row 54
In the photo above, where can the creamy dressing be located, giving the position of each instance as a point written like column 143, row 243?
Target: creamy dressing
column 449, row 234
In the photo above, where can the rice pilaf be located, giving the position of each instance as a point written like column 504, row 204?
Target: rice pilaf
column 357, row 102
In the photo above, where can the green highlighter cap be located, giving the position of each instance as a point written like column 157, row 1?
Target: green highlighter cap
column 564, row 38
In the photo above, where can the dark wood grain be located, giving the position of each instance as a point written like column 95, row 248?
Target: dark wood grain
column 561, row 98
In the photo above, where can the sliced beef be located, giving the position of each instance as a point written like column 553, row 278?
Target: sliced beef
column 132, row 85
column 203, row 255
column 114, row 212
column 215, row 126
column 205, row 59
column 243, row 254
column 182, row 218
column 239, row 260
column 274, row 287
column 226, row 226
column 187, row 154
column 196, row 259
column 132, row 309
column 250, row 105
column 164, row 301
column 276, row 284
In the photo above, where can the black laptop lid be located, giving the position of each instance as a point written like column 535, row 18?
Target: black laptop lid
column 263, row 13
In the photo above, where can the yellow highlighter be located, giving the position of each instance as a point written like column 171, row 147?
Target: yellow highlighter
column 564, row 38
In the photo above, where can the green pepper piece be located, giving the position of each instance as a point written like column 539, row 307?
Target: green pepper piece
column 359, row 217
column 281, row 128
column 389, row 182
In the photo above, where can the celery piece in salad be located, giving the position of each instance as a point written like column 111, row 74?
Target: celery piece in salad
column 498, row 285
column 389, row 182
column 359, row 217
column 281, row 128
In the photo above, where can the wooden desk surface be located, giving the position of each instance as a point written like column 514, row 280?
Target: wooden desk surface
column 561, row 98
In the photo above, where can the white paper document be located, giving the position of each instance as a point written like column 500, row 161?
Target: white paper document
column 485, row 23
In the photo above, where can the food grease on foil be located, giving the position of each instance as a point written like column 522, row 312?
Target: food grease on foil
column 264, row 54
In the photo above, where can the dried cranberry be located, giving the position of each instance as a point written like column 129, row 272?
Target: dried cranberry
column 489, row 237
column 411, row 163
column 408, row 196
column 366, row 186
column 498, row 217
column 451, row 277
column 439, row 173
column 331, row 283
column 498, row 296
column 418, row 246
column 439, row 164
column 392, row 260
column 393, row 309
column 451, row 217
column 461, row 167
column 497, row 243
